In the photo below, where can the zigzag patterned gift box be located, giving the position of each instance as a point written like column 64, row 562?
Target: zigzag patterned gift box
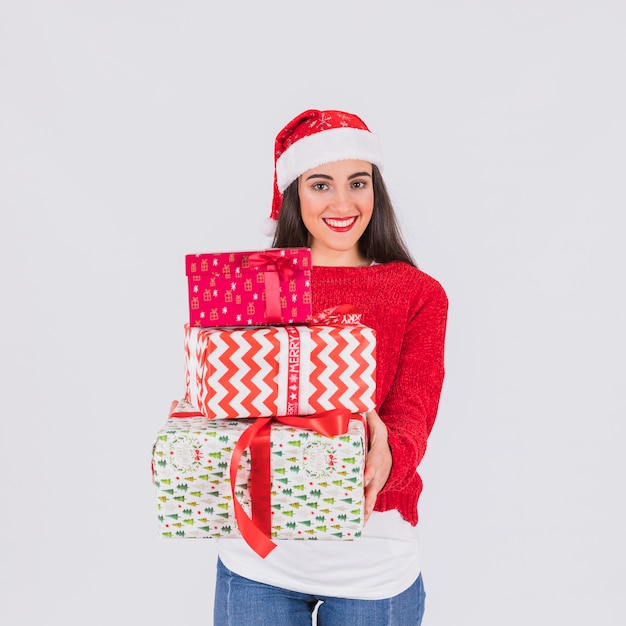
column 280, row 370
column 249, row 288
column 313, row 490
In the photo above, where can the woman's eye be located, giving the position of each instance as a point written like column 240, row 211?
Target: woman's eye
column 320, row 186
column 358, row 184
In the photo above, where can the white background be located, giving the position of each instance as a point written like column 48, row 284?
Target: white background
column 135, row 132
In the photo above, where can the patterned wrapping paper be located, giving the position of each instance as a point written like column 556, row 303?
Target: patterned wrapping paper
column 280, row 370
column 316, row 481
column 249, row 288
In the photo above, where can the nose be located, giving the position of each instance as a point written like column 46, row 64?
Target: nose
column 342, row 202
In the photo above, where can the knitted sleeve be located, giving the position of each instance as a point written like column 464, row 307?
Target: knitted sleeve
column 410, row 407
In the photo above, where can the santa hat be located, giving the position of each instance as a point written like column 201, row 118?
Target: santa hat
column 314, row 138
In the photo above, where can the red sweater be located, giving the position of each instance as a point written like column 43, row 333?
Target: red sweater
column 408, row 310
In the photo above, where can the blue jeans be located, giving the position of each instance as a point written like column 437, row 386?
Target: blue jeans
column 243, row 602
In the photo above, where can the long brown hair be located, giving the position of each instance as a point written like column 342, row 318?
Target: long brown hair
column 382, row 240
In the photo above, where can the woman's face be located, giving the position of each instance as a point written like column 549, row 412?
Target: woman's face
column 336, row 202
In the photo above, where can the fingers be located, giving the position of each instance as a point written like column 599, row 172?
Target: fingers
column 373, row 485
column 377, row 469
column 376, row 427
column 370, row 501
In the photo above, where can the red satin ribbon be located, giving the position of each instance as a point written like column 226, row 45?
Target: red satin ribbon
column 276, row 267
column 341, row 315
column 256, row 530
column 293, row 363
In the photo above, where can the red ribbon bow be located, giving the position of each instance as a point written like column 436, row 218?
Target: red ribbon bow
column 276, row 267
column 341, row 315
column 256, row 530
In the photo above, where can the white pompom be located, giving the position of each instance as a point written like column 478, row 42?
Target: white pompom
column 268, row 227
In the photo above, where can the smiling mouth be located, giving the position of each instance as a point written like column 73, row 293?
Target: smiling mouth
column 340, row 225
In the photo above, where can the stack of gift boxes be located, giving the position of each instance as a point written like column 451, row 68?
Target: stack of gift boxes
column 269, row 439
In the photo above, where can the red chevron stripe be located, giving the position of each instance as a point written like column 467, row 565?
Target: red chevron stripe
column 237, row 398
column 317, row 366
column 271, row 378
column 223, row 380
column 252, row 390
column 365, row 398
column 338, row 356
column 200, row 385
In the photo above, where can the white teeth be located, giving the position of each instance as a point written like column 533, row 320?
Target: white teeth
column 337, row 223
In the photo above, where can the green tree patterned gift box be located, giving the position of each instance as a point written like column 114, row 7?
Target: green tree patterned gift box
column 313, row 488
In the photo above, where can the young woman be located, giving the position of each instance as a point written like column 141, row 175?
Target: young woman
column 329, row 195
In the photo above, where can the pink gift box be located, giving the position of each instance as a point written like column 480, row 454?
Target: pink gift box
column 280, row 370
column 249, row 288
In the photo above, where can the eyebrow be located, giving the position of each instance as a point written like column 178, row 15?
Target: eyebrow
column 326, row 177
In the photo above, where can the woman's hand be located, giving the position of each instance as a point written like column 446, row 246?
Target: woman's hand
column 378, row 462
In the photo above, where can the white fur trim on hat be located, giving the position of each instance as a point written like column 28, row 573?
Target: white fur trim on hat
column 328, row 146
